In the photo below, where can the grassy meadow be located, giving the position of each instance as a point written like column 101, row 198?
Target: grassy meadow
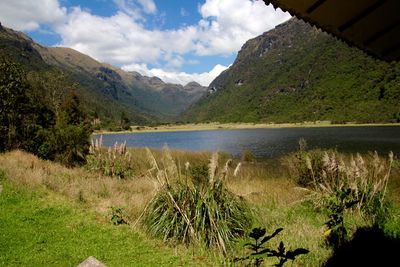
column 54, row 215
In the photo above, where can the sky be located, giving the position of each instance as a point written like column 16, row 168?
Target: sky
column 177, row 40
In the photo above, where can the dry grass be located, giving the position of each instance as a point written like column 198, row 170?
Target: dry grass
column 93, row 190
column 258, row 185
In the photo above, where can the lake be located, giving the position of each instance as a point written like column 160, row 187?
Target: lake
column 268, row 143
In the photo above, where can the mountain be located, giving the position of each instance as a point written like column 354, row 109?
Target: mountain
column 149, row 94
column 296, row 73
column 105, row 90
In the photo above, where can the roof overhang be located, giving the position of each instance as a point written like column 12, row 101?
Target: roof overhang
column 371, row 25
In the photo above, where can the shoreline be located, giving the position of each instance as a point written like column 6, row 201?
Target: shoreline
column 235, row 126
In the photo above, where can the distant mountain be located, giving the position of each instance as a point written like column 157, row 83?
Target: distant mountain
column 295, row 73
column 105, row 90
column 149, row 94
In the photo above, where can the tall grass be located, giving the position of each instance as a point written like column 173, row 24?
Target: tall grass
column 365, row 178
column 327, row 173
column 193, row 211
column 115, row 161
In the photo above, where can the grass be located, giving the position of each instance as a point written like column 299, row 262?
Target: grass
column 70, row 208
column 41, row 228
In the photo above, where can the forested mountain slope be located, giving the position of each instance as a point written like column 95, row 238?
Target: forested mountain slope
column 107, row 92
column 296, row 73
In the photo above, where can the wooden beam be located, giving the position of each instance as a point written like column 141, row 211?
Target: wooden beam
column 361, row 15
column 314, row 6
column 382, row 32
column 391, row 49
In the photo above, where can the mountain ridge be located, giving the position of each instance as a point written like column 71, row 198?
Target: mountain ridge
column 173, row 98
column 297, row 73
column 106, row 90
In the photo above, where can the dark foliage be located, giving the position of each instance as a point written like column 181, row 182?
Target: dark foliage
column 337, row 205
column 14, row 106
column 29, row 121
column 259, row 251
column 368, row 247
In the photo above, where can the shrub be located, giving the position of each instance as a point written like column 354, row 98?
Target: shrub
column 337, row 204
column 118, row 216
column 185, row 212
column 365, row 180
column 116, row 161
column 359, row 185
column 305, row 167
column 67, row 144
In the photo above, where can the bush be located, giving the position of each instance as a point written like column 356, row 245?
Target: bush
column 118, row 216
column 27, row 121
column 304, row 166
column 211, row 215
column 365, row 180
column 359, row 186
column 116, row 161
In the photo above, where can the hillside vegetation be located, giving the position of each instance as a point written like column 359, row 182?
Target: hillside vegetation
column 108, row 94
column 297, row 73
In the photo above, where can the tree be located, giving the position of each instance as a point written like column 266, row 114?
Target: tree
column 70, row 111
column 68, row 140
column 14, row 104
column 35, row 115
column 125, row 122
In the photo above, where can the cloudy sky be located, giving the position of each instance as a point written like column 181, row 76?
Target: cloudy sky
column 176, row 40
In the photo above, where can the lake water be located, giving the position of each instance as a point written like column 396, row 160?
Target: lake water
column 268, row 143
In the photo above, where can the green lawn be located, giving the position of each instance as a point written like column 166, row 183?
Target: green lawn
column 37, row 229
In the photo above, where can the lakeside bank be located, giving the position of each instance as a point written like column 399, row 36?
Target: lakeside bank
column 235, row 126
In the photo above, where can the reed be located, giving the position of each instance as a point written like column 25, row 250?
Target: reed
column 116, row 161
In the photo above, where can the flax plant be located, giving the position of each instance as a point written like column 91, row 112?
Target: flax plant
column 185, row 212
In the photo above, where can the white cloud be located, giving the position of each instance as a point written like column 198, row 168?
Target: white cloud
column 148, row 6
column 135, row 8
column 29, row 15
column 121, row 40
column 183, row 78
column 226, row 25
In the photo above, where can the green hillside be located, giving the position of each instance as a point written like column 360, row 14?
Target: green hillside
column 149, row 95
column 21, row 49
column 106, row 92
column 297, row 73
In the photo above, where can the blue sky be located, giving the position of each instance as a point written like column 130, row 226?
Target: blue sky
column 176, row 40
